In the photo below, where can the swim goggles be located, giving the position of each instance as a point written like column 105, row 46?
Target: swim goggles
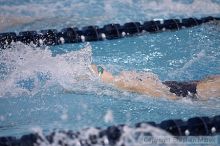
column 100, row 70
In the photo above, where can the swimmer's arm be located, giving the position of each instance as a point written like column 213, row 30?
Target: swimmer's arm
column 135, row 86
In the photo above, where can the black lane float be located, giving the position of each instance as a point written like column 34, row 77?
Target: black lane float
column 94, row 33
column 196, row 126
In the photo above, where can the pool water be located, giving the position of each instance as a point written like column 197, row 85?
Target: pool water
column 33, row 81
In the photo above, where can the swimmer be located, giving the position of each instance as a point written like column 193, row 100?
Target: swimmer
column 149, row 84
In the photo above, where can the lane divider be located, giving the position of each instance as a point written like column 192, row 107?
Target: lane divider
column 94, row 33
column 196, row 126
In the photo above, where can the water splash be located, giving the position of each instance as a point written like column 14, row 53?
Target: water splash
column 109, row 118
column 29, row 70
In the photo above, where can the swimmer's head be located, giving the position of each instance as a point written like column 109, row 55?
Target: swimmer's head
column 103, row 74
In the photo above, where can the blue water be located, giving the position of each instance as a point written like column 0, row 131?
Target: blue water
column 33, row 79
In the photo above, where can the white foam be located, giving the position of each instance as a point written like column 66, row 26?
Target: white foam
column 39, row 69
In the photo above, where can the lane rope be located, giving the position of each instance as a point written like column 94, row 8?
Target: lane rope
column 196, row 126
column 94, row 33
